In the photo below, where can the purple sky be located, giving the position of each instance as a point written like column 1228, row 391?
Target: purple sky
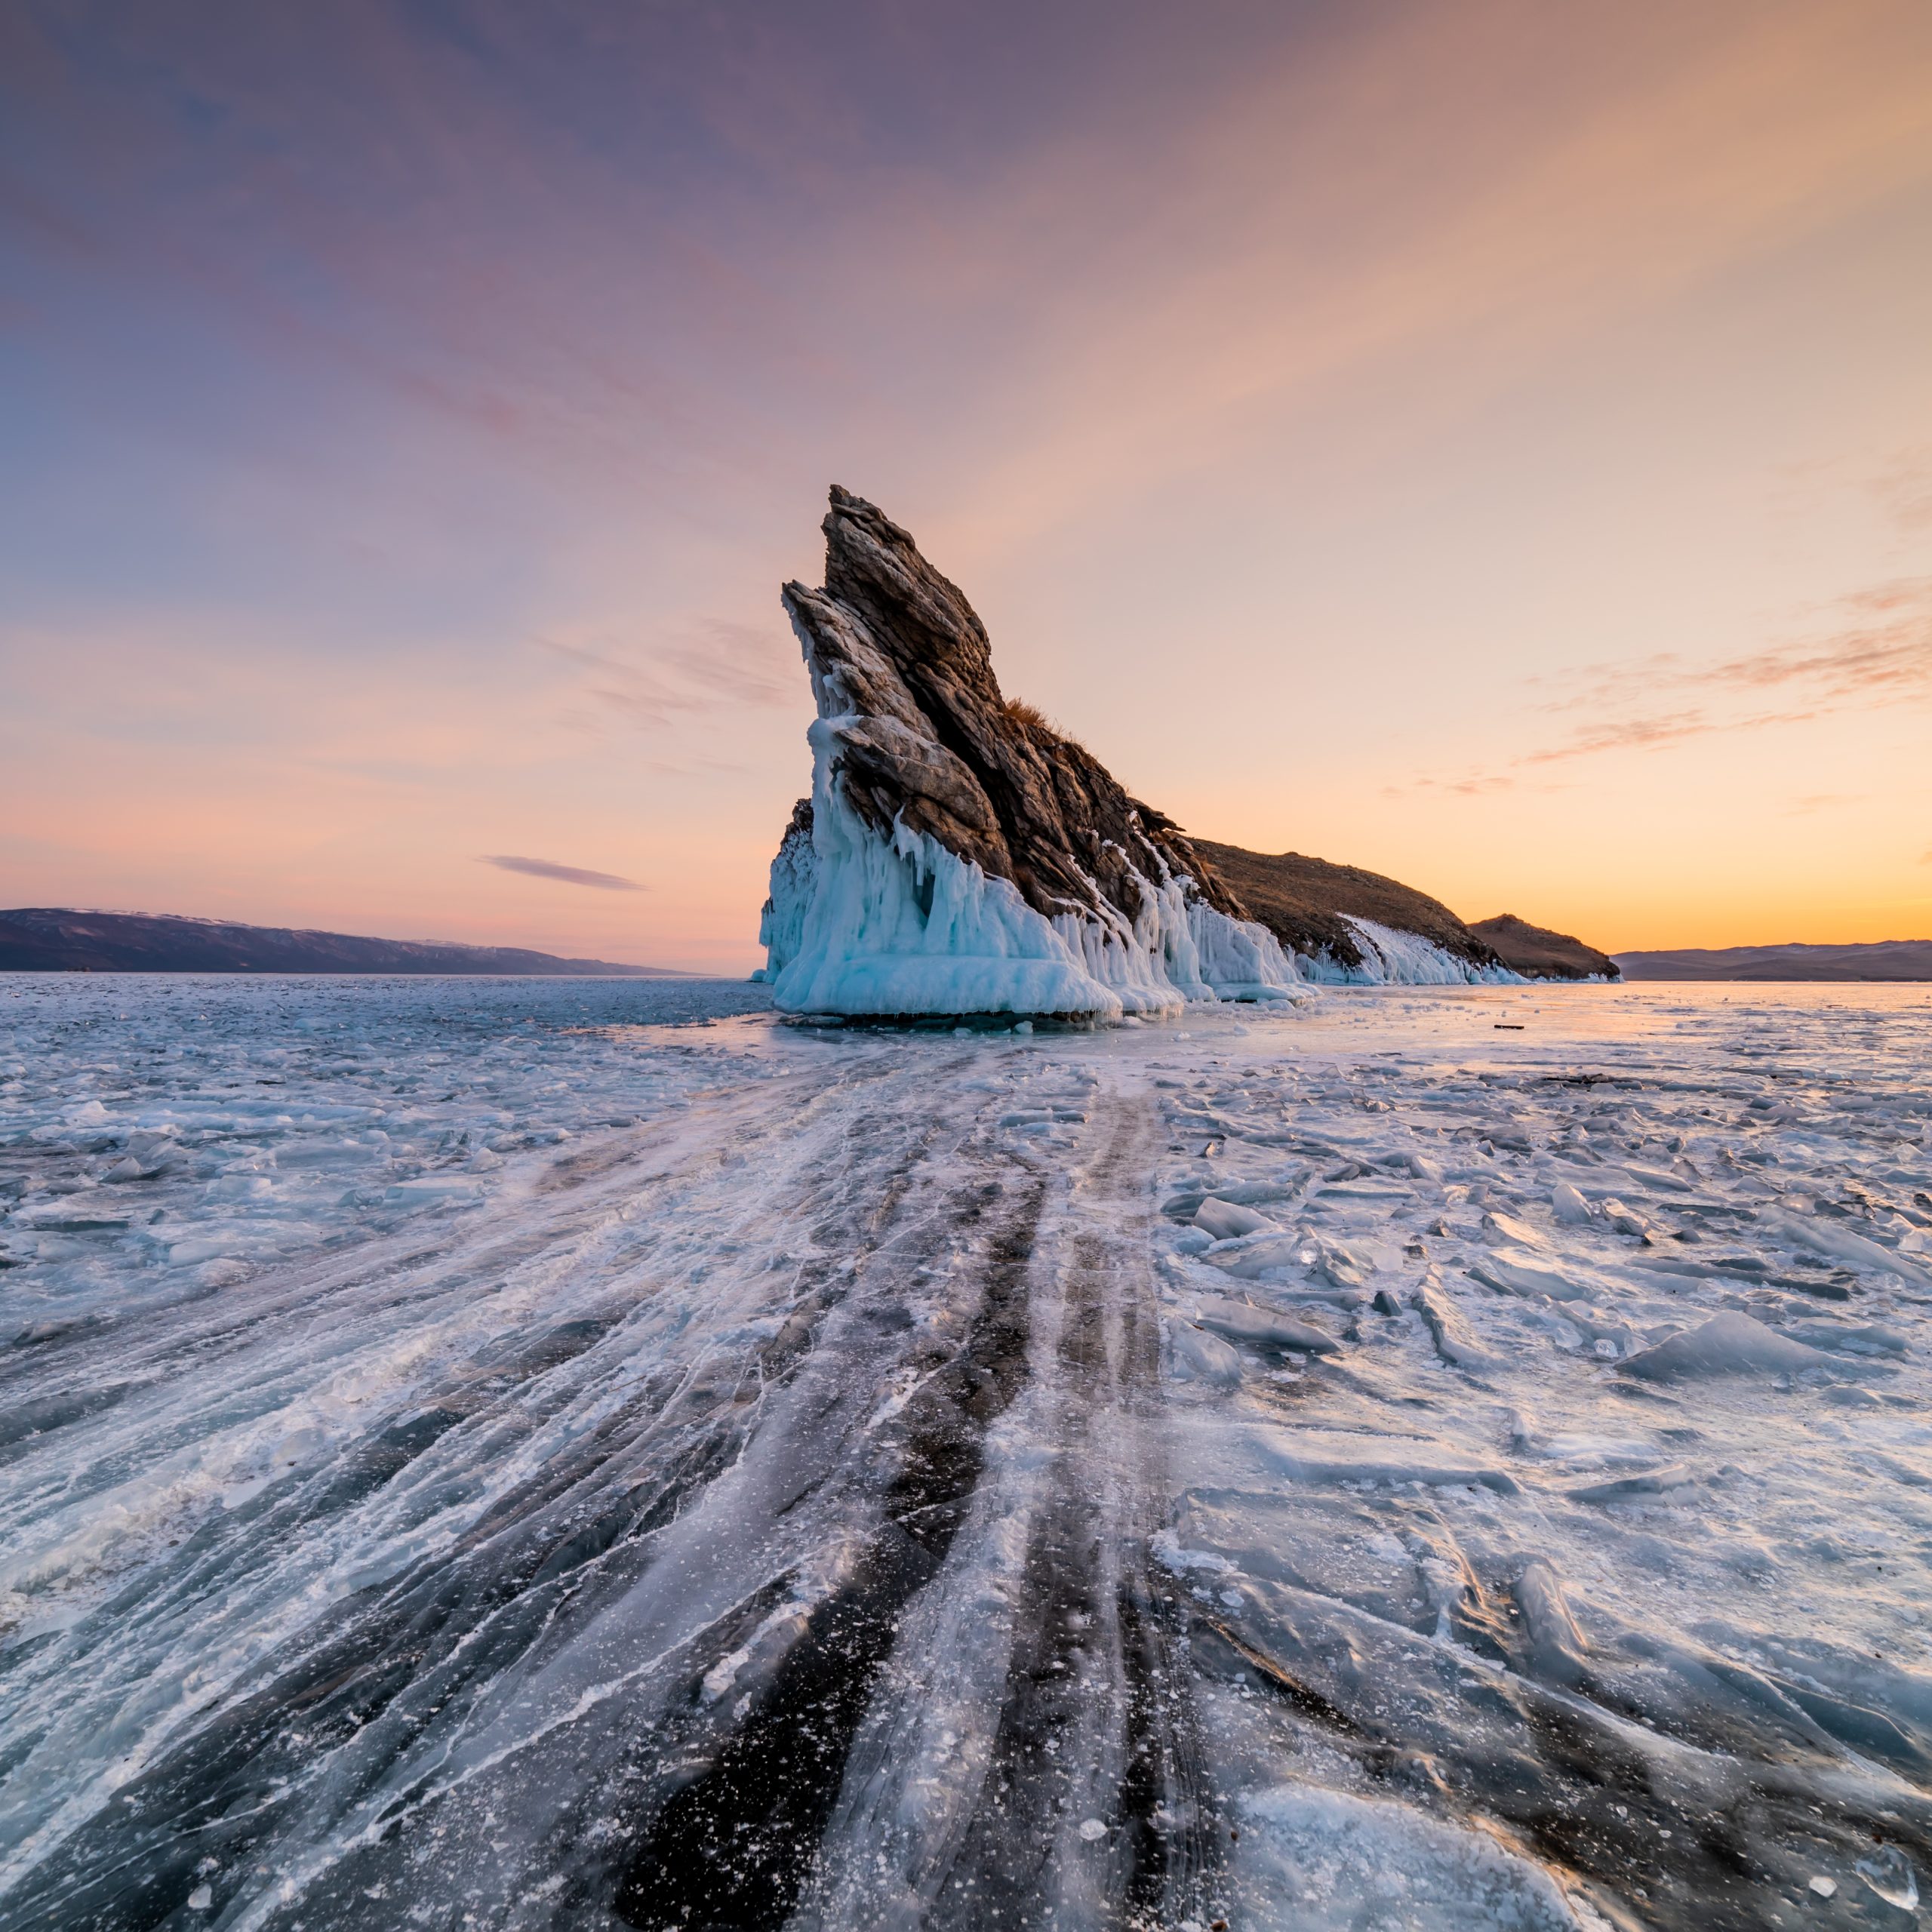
column 1492, row 445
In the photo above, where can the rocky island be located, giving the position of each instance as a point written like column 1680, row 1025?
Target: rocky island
column 960, row 855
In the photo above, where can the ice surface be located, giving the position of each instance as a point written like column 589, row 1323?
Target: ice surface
column 1325, row 1861
column 211, row 1126
column 547, row 1454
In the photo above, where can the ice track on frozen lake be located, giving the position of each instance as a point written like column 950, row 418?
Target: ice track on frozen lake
column 567, row 1453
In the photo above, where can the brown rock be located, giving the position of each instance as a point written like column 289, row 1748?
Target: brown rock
column 1538, row 953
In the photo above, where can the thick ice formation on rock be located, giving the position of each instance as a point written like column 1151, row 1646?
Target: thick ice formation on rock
column 1391, row 958
column 959, row 856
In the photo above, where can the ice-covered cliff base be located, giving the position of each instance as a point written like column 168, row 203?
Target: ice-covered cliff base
column 861, row 925
column 865, row 925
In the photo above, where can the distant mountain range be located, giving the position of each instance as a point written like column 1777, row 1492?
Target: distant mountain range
column 1883, row 959
column 50, row 939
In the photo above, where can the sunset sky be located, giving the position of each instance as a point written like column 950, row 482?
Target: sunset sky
column 1487, row 443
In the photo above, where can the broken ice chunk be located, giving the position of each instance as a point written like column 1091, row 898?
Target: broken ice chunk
column 1515, row 1271
column 1874, row 1339
column 75, row 1214
column 1507, row 1227
column 1623, row 1220
column 1345, row 1267
column 1827, row 1237
column 1889, row 1873
column 1193, row 1356
column 1658, row 1178
column 1225, row 1220
column 1569, row 1205
column 1635, row 1488
column 1454, row 1341
column 1242, row 1323
column 1557, row 1646
column 1317, row 1457
column 1728, row 1344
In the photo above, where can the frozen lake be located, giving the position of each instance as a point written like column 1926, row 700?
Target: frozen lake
column 587, row 1454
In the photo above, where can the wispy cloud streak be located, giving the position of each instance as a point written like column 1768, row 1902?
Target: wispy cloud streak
column 722, row 666
column 1883, row 656
column 564, row 874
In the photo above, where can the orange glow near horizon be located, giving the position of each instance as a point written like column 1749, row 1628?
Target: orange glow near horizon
column 1492, row 446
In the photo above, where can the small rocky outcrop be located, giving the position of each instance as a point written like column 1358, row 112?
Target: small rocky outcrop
column 1538, row 953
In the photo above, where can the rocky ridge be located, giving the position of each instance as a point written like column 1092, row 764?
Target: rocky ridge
column 1318, row 910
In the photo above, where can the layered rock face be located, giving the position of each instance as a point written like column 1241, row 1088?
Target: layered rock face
column 959, row 856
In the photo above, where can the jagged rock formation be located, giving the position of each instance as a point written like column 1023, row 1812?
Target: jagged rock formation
column 1538, row 953
column 1349, row 926
column 957, row 854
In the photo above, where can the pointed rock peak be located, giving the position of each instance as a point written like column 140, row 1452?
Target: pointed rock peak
column 958, row 855
column 873, row 565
